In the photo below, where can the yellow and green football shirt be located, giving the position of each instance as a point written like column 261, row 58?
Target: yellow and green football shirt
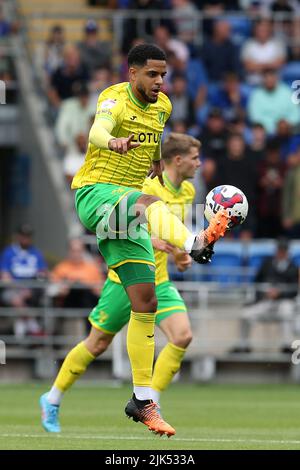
column 128, row 116
column 178, row 201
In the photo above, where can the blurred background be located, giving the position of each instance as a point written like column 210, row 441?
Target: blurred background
column 234, row 82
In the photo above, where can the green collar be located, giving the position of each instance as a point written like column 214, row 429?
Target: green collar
column 135, row 100
column 171, row 186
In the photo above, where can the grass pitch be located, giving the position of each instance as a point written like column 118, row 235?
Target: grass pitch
column 205, row 417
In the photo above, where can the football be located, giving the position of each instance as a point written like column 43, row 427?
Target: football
column 230, row 198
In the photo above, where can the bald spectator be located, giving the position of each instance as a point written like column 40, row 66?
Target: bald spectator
column 262, row 51
column 62, row 81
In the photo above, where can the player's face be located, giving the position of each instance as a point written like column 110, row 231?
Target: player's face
column 190, row 163
column 147, row 81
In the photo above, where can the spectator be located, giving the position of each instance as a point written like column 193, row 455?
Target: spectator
column 283, row 21
column 270, row 182
column 5, row 26
column 62, row 81
column 182, row 105
column 238, row 125
column 238, row 169
column 74, row 158
column 74, row 117
column 214, row 135
column 272, row 102
column 289, row 142
column 291, row 199
column 101, row 79
column 132, row 26
column 274, row 302
column 184, row 18
column 164, row 40
column 196, row 81
column 180, row 127
column 22, row 261
column 261, row 52
column 79, row 279
column 49, row 55
column 231, row 97
column 212, row 10
column 257, row 145
column 94, row 54
column 219, row 54
column 209, row 174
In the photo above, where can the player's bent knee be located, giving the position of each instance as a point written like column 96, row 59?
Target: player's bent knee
column 100, row 346
column 183, row 339
column 149, row 306
column 97, row 344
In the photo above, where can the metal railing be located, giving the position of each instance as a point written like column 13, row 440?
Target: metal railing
column 149, row 19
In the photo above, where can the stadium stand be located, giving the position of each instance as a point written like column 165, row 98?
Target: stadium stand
column 39, row 192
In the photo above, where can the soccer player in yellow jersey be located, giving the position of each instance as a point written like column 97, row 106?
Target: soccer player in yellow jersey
column 124, row 143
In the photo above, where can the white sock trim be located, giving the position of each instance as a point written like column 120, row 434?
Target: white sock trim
column 142, row 393
column 55, row 396
column 155, row 396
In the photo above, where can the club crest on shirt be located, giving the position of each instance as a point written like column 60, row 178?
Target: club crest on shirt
column 108, row 104
column 161, row 117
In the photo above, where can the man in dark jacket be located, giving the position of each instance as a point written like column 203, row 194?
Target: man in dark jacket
column 275, row 297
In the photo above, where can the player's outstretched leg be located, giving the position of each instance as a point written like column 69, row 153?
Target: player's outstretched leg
column 167, row 226
column 147, row 412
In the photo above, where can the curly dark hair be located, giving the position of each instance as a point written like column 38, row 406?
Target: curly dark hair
column 139, row 55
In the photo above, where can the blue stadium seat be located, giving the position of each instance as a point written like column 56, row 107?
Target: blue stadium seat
column 240, row 28
column 294, row 252
column 290, row 72
column 226, row 263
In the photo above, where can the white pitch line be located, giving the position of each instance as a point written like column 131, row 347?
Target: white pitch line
column 139, row 438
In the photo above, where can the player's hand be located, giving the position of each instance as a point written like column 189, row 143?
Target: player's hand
column 183, row 261
column 161, row 245
column 122, row 145
column 157, row 170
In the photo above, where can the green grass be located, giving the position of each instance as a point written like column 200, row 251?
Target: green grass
column 205, row 417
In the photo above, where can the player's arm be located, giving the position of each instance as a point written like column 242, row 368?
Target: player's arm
column 100, row 136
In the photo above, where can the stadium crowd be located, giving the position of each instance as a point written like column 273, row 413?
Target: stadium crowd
column 237, row 93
